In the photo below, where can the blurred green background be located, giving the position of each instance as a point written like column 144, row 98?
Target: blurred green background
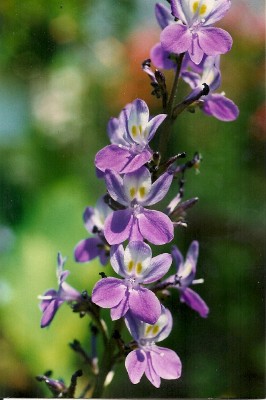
column 65, row 67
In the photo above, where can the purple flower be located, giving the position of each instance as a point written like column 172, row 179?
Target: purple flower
column 184, row 277
column 53, row 299
column 88, row 249
column 134, row 191
column 163, row 15
column 215, row 104
column 130, row 135
column 156, row 362
column 136, row 265
column 193, row 33
column 161, row 58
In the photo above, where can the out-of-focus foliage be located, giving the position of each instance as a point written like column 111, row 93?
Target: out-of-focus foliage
column 65, row 68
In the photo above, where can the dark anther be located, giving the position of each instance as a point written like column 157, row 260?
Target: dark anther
column 146, row 62
column 154, row 169
column 85, row 295
column 182, row 155
column 205, row 90
column 178, row 280
column 102, row 274
column 156, row 156
column 160, row 77
column 95, row 229
column 48, row 373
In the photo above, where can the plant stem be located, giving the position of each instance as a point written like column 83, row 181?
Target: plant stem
column 107, row 361
column 172, row 98
column 165, row 131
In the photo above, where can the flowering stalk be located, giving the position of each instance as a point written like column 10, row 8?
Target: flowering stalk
column 124, row 221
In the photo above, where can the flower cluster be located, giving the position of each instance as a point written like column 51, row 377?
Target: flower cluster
column 124, row 222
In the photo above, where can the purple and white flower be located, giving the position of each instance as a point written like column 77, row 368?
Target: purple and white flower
column 88, row 249
column 184, row 277
column 215, row 104
column 135, row 191
column 156, row 362
column 193, row 32
column 136, row 266
column 130, row 135
column 53, row 299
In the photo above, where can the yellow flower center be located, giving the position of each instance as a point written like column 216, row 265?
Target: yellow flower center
column 152, row 329
column 197, row 8
column 139, row 268
column 136, row 130
column 132, row 192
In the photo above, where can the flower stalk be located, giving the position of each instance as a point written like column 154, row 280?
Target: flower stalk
column 125, row 219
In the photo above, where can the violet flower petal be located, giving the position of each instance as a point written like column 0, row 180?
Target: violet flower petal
column 166, row 363
column 135, row 235
column 104, row 258
column 177, row 257
column 137, row 121
column 150, row 373
column 119, row 159
column 176, row 38
column 155, row 226
column 137, row 258
column 135, row 365
column 192, row 78
column 117, row 259
column 116, row 131
column 144, row 305
column 194, row 301
column 165, row 324
column 195, row 51
column 50, row 312
column 160, row 57
column 177, row 10
column 137, row 184
column 214, row 41
column 158, row 189
column 187, row 270
column 62, row 276
column 117, row 227
column 120, row 310
column 159, row 266
column 68, row 293
column 108, row 292
column 87, row 249
column 90, row 219
column 114, row 184
column 220, row 107
column 163, row 15
column 136, row 161
column 134, row 325
column 112, row 157
column 220, row 9
column 45, row 303
column 153, row 125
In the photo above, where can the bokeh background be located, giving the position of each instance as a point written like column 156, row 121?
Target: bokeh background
column 65, row 68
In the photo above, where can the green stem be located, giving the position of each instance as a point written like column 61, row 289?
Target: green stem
column 172, row 98
column 107, row 361
column 165, row 130
column 186, row 103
